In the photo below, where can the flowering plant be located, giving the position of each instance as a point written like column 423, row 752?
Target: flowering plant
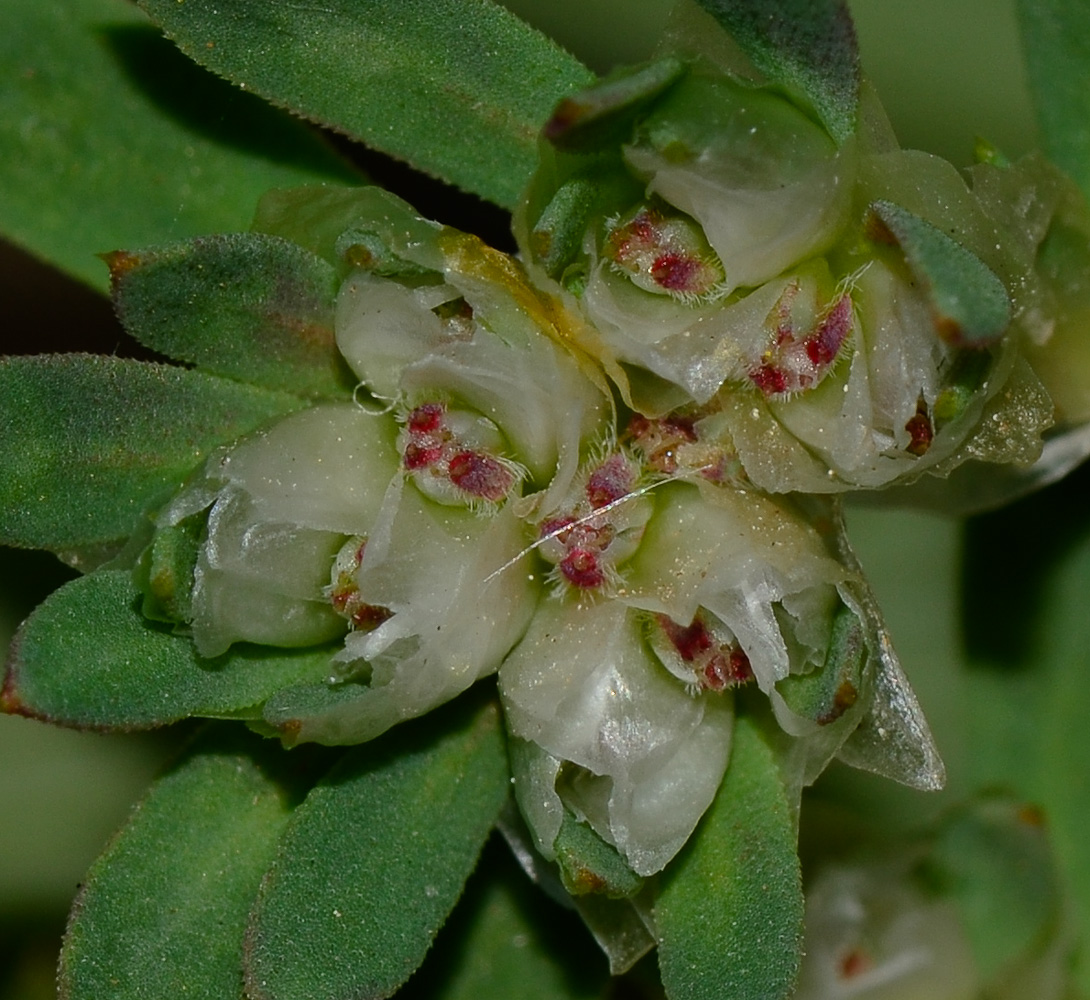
column 450, row 540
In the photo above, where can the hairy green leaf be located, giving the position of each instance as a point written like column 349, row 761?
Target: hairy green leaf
column 89, row 445
column 107, row 140
column 250, row 307
column 506, row 939
column 808, row 46
column 1056, row 43
column 969, row 304
column 375, row 859
column 589, row 865
column 729, row 913
column 825, row 694
column 604, row 115
column 163, row 912
column 88, row 658
column 433, row 82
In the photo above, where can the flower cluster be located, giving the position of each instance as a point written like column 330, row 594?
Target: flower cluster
column 609, row 473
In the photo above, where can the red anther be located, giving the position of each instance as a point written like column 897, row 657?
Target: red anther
column 421, row 456
column 613, row 479
column 581, row 568
column 677, row 272
column 554, row 528
column 716, row 674
column 689, row 640
column 823, row 345
column 426, row 419
column 922, row 434
column 368, row 617
column 920, row 430
column 741, row 670
column 480, row 475
column 771, row 381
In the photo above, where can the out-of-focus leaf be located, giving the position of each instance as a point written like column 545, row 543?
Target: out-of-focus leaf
column 808, row 46
column 1056, row 44
column 163, row 911
column 1063, row 649
column 993, row 859
column 1009, row 712
column 250, row 307
column 88, row 658
column 107, row 140
column 433, row 82
column 89, row 445
column 729, row 913
column 375, row 859
column 506, row 939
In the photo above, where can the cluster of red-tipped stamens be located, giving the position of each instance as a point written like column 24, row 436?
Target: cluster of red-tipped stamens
column 672, row 446
column 580, row 540
column 431, row 447
column 666, row 254
column 797, row 360
column 344, row 591
column 716, row 666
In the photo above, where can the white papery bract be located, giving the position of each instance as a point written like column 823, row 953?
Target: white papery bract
column 643, row 756
column 279, row 506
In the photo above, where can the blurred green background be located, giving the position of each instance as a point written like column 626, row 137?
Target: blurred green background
column 947, row 70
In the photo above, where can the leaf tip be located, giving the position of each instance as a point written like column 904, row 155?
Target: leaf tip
column 119, row 263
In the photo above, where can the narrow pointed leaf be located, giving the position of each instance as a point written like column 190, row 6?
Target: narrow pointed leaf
column 163, row 911
column 375, row 859
column 250, row 307
column 88, row 658
column 433, row 83
column 969, row 304
column 729, row 913
column 89, row 445
column 808, row 46
column 1056, row 44
column 106, row 140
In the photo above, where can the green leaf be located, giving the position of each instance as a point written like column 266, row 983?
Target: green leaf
column 253, row 308
column 729, row 913
column 106, row 138
column 589, row 865
column 604, row 115
column 506, row 939
column 969, row 304
column 825, row 694
column 993, row 859
column 1063, row 650
column 88, row 658
column 1056, row 44
column 375, row 859
column 163, row 911
column 89, row 445
column 433, row 82
column 808, row 46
